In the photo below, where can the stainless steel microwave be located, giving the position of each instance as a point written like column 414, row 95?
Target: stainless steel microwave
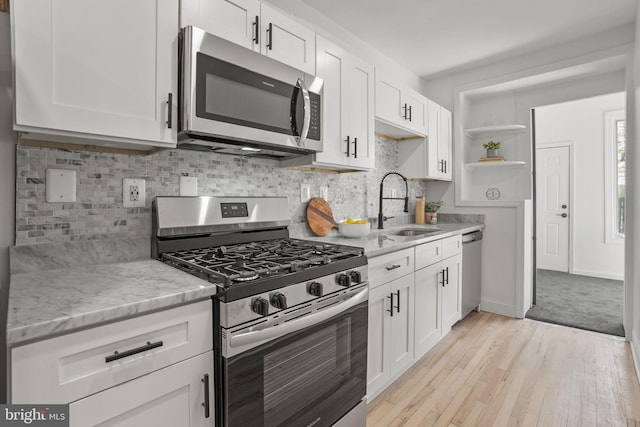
column 236, row 101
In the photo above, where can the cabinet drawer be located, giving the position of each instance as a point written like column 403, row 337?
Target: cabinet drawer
column 390, row 266
column 428, row 253
column 451, row 246
column 70, row 367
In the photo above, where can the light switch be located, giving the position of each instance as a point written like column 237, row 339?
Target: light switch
column 60, row 185
column 188, row 186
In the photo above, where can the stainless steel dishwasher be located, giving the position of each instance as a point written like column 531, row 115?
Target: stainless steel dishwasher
column 471, row 271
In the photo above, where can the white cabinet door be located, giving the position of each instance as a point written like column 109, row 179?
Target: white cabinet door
column 402, row 324
column 173, row 396
column 100, row 68
column 286, row 40
column 330, row 65
column 378, row 346
column 451, row 292
column 434, row 162
column 347, row 110
column 444, row 144
column 358, row 104
column 430, row 157
column 235, row 20
column 389, row 101
column 415, row 111
column 428, row 327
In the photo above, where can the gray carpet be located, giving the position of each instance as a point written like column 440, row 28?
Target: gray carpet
column 579, row 301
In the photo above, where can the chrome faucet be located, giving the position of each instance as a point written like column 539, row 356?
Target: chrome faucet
column 382, row 218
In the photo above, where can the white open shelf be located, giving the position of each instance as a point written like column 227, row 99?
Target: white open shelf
column 505, row 164
column 495, row 130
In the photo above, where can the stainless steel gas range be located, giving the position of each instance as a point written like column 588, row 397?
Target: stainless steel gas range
column 290, row 316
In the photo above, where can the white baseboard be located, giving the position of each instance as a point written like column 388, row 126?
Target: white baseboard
column 599, row 274
column 635, row 352
column 496, row 307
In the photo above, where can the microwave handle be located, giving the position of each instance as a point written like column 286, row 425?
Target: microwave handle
column 306, row 109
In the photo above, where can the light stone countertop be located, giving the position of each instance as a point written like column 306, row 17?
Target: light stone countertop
column 49, row 302
column 380, row 242
column 49, row 295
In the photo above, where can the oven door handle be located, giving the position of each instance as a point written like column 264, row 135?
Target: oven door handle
column 281, row 330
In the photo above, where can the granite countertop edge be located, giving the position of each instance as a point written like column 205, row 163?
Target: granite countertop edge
column 381, row 242
column 48, row 303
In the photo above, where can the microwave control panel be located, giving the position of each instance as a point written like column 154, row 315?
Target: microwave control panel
column 315, row 113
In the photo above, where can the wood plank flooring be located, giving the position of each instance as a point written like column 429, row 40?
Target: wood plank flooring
column 498, row 371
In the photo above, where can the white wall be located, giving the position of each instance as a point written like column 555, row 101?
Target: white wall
column 342, row 37
column 7, row 185
column 583, row 123
column 632, row 273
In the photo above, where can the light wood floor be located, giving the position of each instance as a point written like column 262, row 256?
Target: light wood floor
column 497, row 371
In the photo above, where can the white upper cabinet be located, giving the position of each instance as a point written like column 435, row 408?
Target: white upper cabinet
column 400, row 107
column 256, row 26
column 347, row 112
column 235, row 20
column 98, row 70
column 429, row 158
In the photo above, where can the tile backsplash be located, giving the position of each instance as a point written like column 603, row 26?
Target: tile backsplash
column 98, row 212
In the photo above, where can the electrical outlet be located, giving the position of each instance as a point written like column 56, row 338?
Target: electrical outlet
column 324, row 192
column 133, row 193
column 305, row 192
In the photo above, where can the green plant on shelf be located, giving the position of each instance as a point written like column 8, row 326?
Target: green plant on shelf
column 492, row 145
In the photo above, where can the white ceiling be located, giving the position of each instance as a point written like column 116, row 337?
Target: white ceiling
column 431, row 37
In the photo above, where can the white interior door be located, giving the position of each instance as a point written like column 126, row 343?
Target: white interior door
column 552, row 193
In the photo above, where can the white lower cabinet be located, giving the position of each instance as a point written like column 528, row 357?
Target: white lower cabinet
column 437, row 291
column 410, row 311
column 151, row 370
column 179, row 395
column 391, row 336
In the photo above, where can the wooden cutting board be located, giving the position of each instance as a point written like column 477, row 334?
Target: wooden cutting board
column 320, row 217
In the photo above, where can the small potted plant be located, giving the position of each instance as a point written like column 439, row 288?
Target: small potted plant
column 431, row 211
column 493, row 148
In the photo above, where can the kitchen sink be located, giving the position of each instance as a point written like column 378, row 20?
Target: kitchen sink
column 414, row 232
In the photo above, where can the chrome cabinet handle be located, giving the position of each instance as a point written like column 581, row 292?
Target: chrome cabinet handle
column 391, row 304
column 121, row 355
column 348, row 145
column 393, row 267
column 398, row 300
column 355, row 147
column 207, row 406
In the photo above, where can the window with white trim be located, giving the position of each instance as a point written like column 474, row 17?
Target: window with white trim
column 615, row 168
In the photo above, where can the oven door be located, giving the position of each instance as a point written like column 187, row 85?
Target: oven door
column 312, row 376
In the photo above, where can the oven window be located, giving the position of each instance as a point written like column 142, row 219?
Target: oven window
column 232, row 94
column 315, row 365
column 314, row 376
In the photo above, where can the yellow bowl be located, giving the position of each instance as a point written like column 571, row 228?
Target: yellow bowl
column 354, row 230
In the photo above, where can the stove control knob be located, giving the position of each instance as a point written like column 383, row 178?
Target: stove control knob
column 315, row 289
column 356, row 277
column 344, row 280
column 260, row 306
column 279, row 300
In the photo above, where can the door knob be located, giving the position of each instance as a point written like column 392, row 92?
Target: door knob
column 564, row 215
column 564, row 206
